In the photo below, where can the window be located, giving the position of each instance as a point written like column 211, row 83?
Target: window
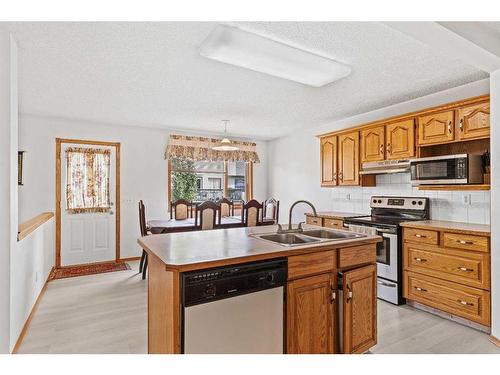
column 87, row 180
column 200, row 181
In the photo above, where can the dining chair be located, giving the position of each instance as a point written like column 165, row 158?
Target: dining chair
column 272, row 210
column 207, row 215
column 181, row 209
column 226, row 207
column 143, row 265
column 251, row 213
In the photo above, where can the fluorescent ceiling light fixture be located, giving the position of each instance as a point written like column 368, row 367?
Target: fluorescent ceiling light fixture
column 238, row 47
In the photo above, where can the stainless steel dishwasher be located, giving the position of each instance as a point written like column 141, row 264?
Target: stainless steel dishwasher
column 234, row 309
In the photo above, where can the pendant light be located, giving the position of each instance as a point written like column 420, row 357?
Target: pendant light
column 225, row 144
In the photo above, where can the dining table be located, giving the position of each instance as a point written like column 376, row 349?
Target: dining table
column 186, row 225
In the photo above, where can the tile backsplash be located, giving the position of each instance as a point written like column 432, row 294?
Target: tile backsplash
column 464, row 206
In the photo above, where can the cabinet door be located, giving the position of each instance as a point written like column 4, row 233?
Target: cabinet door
column 349, row 158
column 359, row 326
column 474, row 121
column 436, row 128
column 328, row 155
column 400, row 140
column 310, row 320
column 373, row 144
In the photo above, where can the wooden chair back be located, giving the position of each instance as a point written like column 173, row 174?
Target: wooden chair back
column 272, row 209
column 181, row 209
column 226, row 207
column 142, row 219
column 207, row 215
column 251, row 213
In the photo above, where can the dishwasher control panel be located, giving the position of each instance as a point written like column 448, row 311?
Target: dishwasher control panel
column 224, row 282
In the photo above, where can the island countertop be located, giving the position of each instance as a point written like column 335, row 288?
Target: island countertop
column 188, row 251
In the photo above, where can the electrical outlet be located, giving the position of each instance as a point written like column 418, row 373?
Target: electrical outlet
column 466, row 199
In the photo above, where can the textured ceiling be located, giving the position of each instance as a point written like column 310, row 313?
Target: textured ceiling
column 150, row 74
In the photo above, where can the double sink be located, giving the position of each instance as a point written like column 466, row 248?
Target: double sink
column 308, row 237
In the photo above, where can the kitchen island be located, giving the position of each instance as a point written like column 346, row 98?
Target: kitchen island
column 319, row 317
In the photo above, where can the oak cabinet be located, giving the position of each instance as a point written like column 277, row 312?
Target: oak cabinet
column 348, row 169
column 474, row 121
column 400, row 140
column 373, row 144
column 436, row 128
column 328, row 155
column 310, row 315
column 359, row 309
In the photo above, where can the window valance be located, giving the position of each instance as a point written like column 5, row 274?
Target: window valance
column 200, row 148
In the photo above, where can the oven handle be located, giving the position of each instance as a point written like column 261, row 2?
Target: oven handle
column 386, row 284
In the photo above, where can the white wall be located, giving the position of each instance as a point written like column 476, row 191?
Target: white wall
column 294, row 172
column 32, row 262
column 8, row 176
column 495, row 206
column 143, row 169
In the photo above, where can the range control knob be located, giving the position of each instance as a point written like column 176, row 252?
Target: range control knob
column 414, row 202
column 380, row 201
column 420, row 203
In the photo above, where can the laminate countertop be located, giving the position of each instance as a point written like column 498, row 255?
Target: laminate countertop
column 466, row 228
column 188, row 251
column 335, row 214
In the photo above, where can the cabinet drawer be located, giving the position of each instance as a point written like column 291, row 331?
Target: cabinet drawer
column 465, row 241
column 421, row 235
column 465, row 267
column 333, row 223
column 467, row 302
column 311, row 264
column 314, row 220
column 357, row 255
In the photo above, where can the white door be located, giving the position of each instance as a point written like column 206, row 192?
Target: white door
column 88, row 237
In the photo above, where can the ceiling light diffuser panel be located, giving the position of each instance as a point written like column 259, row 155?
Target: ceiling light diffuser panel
column 238, row 47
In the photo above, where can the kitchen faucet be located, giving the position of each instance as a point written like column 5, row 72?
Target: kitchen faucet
column 299, row 229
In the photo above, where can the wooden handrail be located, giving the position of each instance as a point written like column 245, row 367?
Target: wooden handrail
column 30, row 225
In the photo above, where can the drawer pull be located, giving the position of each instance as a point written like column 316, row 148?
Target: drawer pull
column 465, row 302
column 465, row 269
column 462, row 242
column 420, row 236
column 420, row 289
column 349, row 293
column 420, row 260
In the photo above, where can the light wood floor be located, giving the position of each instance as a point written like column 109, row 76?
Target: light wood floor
column 107, row 313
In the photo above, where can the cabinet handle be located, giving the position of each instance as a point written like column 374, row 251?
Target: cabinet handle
column 465, row 269
column 420, row 236
column 462, row 242
column 449, row 127
column 461, row 125
column 420, row 260
column 464, row 302
column 341, row 176
column 333, row 295
column 349, row 293
column 381, row 149
column 420, row 289
column 335, row 176
column 388, row 148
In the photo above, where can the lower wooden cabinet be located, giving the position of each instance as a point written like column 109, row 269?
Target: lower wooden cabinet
column 359, row 310
column 310, row 315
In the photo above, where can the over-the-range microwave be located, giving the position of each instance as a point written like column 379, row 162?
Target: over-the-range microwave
column 447, row 169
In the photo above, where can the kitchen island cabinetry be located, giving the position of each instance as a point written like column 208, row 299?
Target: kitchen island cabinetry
column 312, row 322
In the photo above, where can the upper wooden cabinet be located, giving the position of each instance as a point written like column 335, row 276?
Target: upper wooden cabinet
column 310, row 315
column 359, row 305
column 400, row 138
column 436, row 128
column 474, row 121
column 348, row 169
column 373, row 144
column 328, row 157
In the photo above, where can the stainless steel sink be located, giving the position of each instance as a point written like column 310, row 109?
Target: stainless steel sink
column 288, row 239
column 308, row 237
column 331, row 235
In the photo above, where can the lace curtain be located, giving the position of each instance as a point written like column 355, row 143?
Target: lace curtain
column 87, row 180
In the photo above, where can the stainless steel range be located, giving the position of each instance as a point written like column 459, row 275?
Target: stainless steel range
column 386, row 215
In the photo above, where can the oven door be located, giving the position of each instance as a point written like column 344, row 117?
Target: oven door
column 442, row 170
column 387, row 255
